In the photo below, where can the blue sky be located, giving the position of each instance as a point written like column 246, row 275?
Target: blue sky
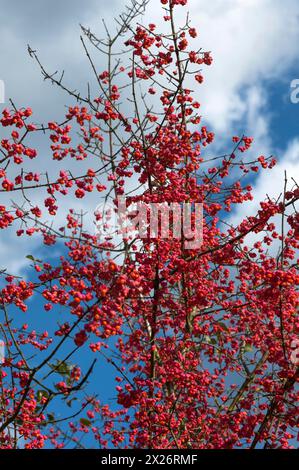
column 247, row 89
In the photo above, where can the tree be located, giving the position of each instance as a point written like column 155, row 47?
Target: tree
column 202, row 338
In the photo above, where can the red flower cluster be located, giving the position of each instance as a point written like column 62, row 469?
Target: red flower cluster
column 201, row 340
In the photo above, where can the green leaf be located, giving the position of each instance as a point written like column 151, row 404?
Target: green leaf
column 51, row 417
column 69, row 402
column 41, row 393
column 31, row 257
column 223, row 325
column 248, row 348
column 210, row 340
column 85, row 422
column 62, row 368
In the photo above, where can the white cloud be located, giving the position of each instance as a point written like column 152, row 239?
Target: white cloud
column 270, row 183
column 252, row 42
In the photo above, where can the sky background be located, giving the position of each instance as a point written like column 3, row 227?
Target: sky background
column 254, row 44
